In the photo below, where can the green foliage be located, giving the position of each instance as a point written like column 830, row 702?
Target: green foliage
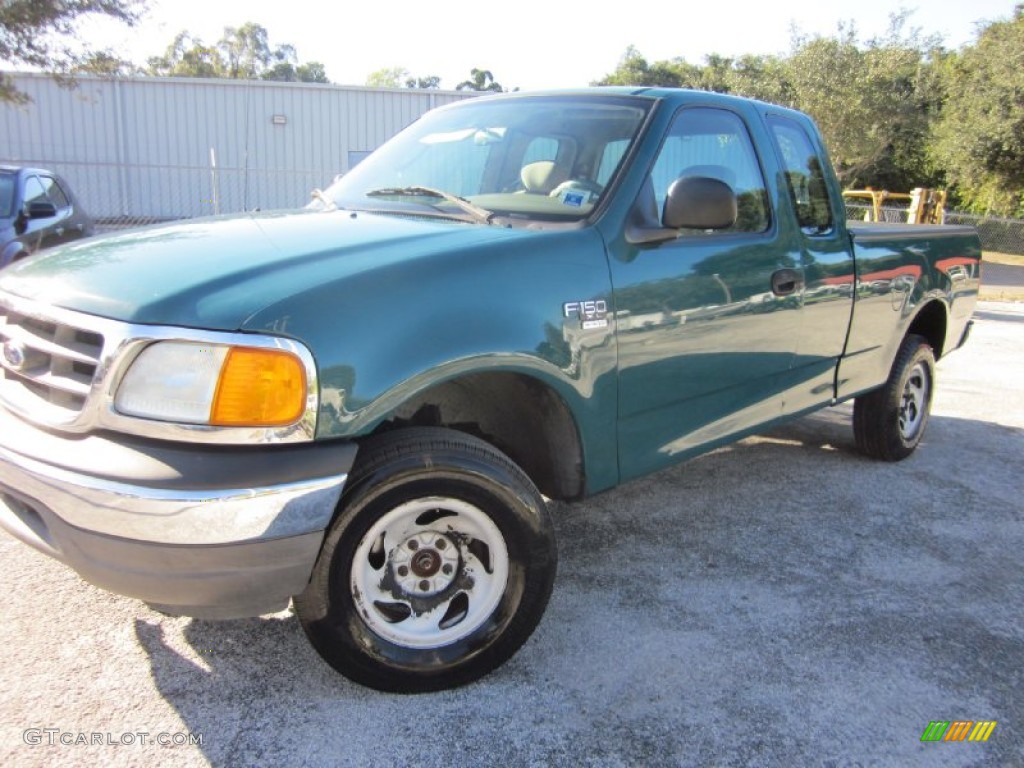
column 431, row 81
column 399, row 77
column 242, row 53
column 41, row 33
column 634, row 69
column 187, row 57
column 481, row 80
column 980, row 134
column 388, row 77
column 896, row 112
column 104, row 64
column 873, row 103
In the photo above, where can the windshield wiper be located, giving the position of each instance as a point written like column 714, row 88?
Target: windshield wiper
column 479, row 214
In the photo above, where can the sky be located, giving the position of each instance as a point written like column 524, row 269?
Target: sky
column 529, row 44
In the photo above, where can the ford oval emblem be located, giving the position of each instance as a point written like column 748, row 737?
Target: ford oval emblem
column 14, row 355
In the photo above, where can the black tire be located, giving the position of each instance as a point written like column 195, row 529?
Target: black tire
column 437, row 568
column 888, row 423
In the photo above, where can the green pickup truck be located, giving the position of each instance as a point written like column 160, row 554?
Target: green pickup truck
column 361, row 406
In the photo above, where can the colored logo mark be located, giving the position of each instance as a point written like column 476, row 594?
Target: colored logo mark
column 958, row 730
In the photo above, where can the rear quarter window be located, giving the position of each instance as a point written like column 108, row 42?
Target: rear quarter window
column 804, row 176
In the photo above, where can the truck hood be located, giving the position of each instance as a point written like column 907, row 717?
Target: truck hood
column 215, row 272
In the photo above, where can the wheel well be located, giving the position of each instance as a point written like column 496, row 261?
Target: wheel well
column 931, row 323
column 521, row 416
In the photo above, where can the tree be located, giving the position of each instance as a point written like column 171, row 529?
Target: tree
column 187, row 57
column 246, row 52
column 872, row 102
column 399, row 77
column 633, row 69
column 979, row 139
column 761, row 77
column 106, row 64
column 41, row 34
column 482, row 80
column 242, row 53
column 431, row 81
column 312, row 72
column 388, row 77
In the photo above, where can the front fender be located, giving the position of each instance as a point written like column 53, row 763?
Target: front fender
column 383, row 336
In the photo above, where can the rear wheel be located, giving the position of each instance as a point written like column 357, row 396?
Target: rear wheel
column 438, row 567
column 889, row 422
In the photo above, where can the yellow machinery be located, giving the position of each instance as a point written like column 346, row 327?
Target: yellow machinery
column 927, row 206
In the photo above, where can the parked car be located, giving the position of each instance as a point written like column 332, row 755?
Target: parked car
column 37, row 210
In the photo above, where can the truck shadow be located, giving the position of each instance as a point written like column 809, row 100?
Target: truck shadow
column 733, row 574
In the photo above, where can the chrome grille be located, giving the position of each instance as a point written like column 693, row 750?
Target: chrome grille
column 47, row 363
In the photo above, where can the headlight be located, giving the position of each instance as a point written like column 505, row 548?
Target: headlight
column 214, row 384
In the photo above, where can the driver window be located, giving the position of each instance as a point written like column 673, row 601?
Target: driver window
column 714, row 143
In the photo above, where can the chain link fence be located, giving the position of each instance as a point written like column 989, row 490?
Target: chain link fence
column 997, row 234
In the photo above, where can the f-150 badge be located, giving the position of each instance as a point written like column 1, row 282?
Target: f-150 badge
column 592, row 314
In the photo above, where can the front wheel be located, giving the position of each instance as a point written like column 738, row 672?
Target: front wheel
column 438, row 567
column 889, row 422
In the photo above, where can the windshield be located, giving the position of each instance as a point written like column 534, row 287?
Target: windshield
column 515, row 159
column 6, row 194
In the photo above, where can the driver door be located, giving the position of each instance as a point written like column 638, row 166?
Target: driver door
column 705, row 343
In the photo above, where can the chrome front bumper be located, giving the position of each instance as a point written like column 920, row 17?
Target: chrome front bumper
column 208, row 531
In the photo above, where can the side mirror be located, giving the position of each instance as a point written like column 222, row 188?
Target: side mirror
column 699, row 202
column 40, row 209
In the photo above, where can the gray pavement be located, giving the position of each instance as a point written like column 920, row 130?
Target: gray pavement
column 1002, row 275
column 782, row 601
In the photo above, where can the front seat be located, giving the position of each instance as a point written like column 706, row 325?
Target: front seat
column 541, row 177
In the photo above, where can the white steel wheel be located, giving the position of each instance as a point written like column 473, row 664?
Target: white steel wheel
column 914, row 401
column 429, row 572
column 438, row 567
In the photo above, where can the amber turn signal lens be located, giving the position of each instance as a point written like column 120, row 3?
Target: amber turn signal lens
column 259, row 387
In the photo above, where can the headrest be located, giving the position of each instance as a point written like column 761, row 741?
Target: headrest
column 542, row 176
column 720, row 172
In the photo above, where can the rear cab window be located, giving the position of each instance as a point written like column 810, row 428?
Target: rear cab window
column 805, row 177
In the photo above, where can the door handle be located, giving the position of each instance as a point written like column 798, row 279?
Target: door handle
column 787, row 281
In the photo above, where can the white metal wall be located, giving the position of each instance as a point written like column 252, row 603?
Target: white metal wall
column 140, row 148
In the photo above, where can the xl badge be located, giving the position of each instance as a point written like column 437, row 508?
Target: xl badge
column 592, row 314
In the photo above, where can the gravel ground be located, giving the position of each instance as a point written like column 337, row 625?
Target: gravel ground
column 778, row 602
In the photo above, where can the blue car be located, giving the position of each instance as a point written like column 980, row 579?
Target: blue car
column 37, row 210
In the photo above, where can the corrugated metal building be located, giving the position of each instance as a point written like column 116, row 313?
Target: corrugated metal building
column 162, row 148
